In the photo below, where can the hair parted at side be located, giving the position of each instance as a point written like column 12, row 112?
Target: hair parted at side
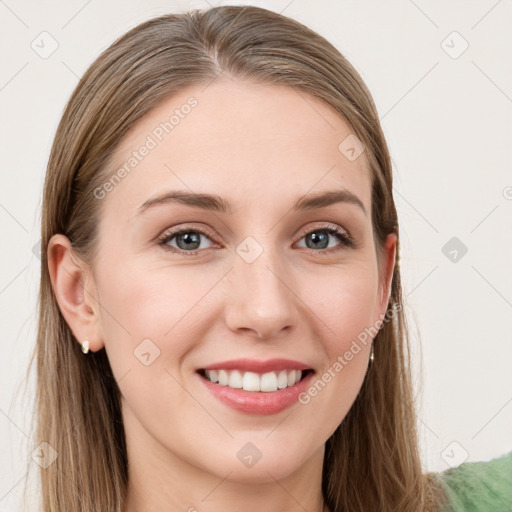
column 372, row 460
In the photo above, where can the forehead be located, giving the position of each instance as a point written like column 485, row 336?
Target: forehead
column 243, row 141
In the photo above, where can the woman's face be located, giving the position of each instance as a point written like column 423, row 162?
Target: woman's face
column 258, row 279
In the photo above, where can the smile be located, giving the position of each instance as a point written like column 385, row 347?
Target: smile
column 251, row 381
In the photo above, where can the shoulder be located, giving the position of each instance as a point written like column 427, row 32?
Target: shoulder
column 480, row 486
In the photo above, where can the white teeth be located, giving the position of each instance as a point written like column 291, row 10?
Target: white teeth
column 251, row 381
column 269, row 382
column 223, row 378
column 235, row 380
column 282, row 379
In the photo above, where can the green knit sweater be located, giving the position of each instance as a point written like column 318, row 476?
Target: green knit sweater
column 480, row 486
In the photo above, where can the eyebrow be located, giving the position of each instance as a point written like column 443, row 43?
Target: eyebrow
column 216, row 203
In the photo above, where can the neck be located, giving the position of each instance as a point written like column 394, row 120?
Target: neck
column 162, row 480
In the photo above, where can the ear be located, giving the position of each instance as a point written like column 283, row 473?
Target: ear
column 387, row 267
column 75, row 291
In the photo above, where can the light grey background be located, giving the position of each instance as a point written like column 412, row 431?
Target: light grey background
column 447, row 115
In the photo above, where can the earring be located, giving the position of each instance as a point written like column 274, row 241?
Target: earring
column 85, row 346
column 372, row 357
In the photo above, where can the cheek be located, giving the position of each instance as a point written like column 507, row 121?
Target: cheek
column 144, row 309
column 345, row 301
column 149, row 298
column 345, row 304
column 150, row 323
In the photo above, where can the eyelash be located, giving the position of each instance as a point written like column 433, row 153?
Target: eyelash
column 345, row 239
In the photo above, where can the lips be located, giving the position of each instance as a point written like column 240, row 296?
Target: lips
column 257, row 387
column 258, row 402
column 256, row 366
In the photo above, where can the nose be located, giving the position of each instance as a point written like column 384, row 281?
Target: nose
column 261, row 299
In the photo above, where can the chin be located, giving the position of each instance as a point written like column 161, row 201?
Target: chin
column 245, row 463
column 263, row 472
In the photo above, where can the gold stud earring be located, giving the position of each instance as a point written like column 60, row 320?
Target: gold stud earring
column 85, row 346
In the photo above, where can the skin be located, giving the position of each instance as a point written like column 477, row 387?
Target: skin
column 258, row 147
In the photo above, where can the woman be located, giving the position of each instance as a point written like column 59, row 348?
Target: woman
column 221, row 324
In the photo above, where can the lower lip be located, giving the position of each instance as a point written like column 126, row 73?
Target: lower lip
column 258, row 402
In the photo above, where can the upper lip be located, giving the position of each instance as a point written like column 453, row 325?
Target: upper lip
column 258, row 366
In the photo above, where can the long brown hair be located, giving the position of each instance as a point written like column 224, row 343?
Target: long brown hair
column 372, row 460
